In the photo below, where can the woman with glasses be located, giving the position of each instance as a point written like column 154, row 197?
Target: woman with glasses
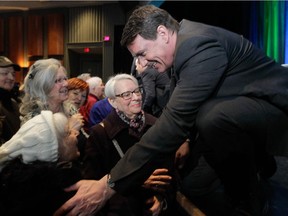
column 109, row 141
column 40, row 169
column 46, row 88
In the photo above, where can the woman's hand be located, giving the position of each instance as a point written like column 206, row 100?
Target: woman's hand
column 157, row 204
column 158, row 181
column 75, row 122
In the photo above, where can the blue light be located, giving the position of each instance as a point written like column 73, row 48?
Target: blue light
column 286, row 34
column 156, row 3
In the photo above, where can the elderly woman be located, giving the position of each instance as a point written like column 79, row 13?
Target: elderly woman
column 35, row 166
column 46, row 88
column 110, row 139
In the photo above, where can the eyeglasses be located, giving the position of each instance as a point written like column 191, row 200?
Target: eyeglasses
column 8, row 72
column 128, row 95
column 61, row 80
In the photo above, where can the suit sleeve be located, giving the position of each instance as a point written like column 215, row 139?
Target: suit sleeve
column 200, row 64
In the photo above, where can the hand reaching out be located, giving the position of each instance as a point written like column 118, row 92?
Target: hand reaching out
column 156, row 205
column 158, row 181
column 91, row 196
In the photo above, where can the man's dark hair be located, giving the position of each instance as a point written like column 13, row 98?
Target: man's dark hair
column 145, row 21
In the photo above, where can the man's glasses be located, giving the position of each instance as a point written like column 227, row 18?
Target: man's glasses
column 128, row 95
column 8, row 72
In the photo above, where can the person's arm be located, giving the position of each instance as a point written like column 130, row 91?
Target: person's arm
column 200, row 65
column 91, row 196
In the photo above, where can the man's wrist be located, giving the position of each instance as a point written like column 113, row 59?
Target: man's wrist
column 109, row 186
column 109, row 182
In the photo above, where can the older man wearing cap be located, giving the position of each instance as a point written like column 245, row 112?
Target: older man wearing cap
column 9, row 110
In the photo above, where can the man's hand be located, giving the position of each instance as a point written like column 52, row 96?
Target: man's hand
column 182, row 154
column 91, row 196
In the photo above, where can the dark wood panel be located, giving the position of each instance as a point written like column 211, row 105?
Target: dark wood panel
column 15, row 43
column 55, row 31
column 35, row 35
column 1, row 35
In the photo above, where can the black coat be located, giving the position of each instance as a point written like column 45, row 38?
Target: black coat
column 35, row 189
column 9, row 115
column 101, row 155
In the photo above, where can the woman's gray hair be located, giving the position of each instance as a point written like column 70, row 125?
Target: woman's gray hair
column 38, row 83
column 110, row 85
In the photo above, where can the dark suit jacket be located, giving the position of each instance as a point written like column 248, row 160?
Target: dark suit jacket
column 209, row 62
column 37, row 188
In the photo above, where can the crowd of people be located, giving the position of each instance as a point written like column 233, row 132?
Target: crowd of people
column 53, row 147
column 202, row 110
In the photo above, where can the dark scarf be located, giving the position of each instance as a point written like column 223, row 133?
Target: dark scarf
column 137, row 124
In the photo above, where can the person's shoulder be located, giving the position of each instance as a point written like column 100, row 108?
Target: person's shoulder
column 101, row 102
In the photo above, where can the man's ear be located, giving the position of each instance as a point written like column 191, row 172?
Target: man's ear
column 163, row 32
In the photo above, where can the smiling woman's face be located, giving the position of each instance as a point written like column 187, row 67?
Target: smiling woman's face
column 77, row 97
column 132, row 106
column 59, row 92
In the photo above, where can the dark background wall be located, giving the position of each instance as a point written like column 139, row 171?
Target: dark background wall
column 232, row 15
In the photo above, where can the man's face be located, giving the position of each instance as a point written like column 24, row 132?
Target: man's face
column 7, row 78
column 157, row 53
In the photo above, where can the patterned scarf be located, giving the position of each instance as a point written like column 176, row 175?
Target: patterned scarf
column 137, row 123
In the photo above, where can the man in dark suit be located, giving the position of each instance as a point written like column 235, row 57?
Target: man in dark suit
column 226, row 90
